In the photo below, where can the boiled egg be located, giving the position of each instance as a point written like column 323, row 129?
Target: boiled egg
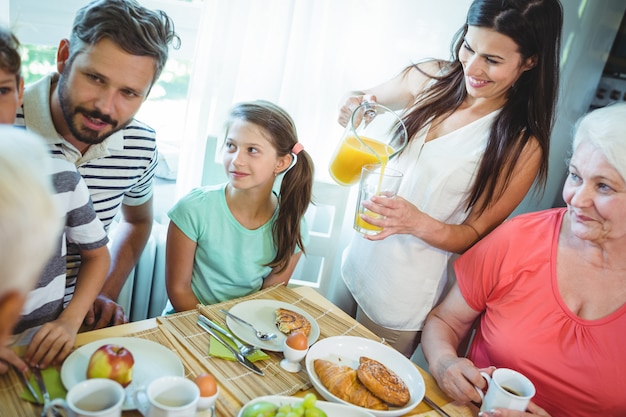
column 297, row 341
column 207, row 384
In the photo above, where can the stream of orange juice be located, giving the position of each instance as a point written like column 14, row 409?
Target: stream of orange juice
column 352, row 155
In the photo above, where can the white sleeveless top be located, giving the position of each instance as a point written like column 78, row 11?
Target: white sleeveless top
column 398, row 280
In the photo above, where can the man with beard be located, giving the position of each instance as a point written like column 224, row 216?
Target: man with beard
column 115, row 54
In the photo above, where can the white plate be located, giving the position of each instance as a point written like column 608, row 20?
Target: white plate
column 151, row 362
column 262, row 315
column 331, row 409
column 346, row 350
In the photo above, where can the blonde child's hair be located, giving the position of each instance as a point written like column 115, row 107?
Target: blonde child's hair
column 30, row 224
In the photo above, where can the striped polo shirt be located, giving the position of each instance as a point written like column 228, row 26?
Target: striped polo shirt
column 82, row 229
column 118, row 171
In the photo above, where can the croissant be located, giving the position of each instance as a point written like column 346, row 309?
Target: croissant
column 383, row 382
column 342, row 382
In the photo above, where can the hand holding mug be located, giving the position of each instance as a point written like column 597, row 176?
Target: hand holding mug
column 506, row 389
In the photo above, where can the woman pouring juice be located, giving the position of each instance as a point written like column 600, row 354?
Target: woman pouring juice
column 479, row 126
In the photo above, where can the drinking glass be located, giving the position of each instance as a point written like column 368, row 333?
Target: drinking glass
column 376, row 180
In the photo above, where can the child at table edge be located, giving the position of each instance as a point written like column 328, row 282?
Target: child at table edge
column 230, row 240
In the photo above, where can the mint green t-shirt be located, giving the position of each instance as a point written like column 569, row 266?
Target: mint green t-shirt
column 229, row 259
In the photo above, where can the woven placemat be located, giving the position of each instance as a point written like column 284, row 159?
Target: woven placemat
column 330, row 321
column 242, row 383
column 224, row 405
column 11, row 404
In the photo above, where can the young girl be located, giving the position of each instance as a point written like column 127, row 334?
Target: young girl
column 230, row 240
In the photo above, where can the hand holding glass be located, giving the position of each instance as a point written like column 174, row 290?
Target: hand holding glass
column 374, row 182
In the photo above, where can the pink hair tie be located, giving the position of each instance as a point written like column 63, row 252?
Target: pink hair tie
column 297, row 148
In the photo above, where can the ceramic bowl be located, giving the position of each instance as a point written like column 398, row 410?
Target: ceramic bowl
column 346, row 351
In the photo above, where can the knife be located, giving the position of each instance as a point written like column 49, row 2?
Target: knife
column 240, row 358
column 30, row 388
column 435, row 407
column 244, row 349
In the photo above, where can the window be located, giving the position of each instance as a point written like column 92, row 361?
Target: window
column 303, row 55
column 40, row 25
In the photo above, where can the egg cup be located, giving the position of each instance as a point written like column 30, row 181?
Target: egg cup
column 291, row 363
column 205, row 403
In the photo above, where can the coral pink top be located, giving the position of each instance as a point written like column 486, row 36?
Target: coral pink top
column 578, row 366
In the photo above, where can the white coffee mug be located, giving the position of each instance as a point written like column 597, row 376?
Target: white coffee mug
column 506, row 389
column 168, row 396
column 98, row 397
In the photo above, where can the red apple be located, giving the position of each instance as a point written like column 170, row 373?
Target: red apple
column 113, row 362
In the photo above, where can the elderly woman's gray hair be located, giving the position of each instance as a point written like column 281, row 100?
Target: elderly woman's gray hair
column 605, row 128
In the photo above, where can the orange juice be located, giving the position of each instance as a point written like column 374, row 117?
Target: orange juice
column 376, row 180
column 359, row 223
column 345, row 167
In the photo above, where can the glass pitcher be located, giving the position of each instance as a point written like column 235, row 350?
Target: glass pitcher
column 373, row 135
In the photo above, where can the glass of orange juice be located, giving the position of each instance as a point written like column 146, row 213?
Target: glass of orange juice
column 373, row 135
column 376, row 180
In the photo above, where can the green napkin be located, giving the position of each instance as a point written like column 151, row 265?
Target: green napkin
column 218, row 350
column 52, row 381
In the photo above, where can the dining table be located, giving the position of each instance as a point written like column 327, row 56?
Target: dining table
column 180, row 333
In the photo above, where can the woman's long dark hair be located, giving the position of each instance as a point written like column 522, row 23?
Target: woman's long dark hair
column 297, row 183
column 535, row 26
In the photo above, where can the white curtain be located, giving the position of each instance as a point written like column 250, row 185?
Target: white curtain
column 303, row 55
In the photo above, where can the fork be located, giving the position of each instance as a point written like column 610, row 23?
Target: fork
column 259, row 334
column 243, row 348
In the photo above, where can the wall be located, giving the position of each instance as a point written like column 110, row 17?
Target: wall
column 589, row 29
column 4, row 11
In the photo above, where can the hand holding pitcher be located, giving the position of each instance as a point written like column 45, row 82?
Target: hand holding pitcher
column 373, row 135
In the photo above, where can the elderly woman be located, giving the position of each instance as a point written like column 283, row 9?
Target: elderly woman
column 550, row 290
